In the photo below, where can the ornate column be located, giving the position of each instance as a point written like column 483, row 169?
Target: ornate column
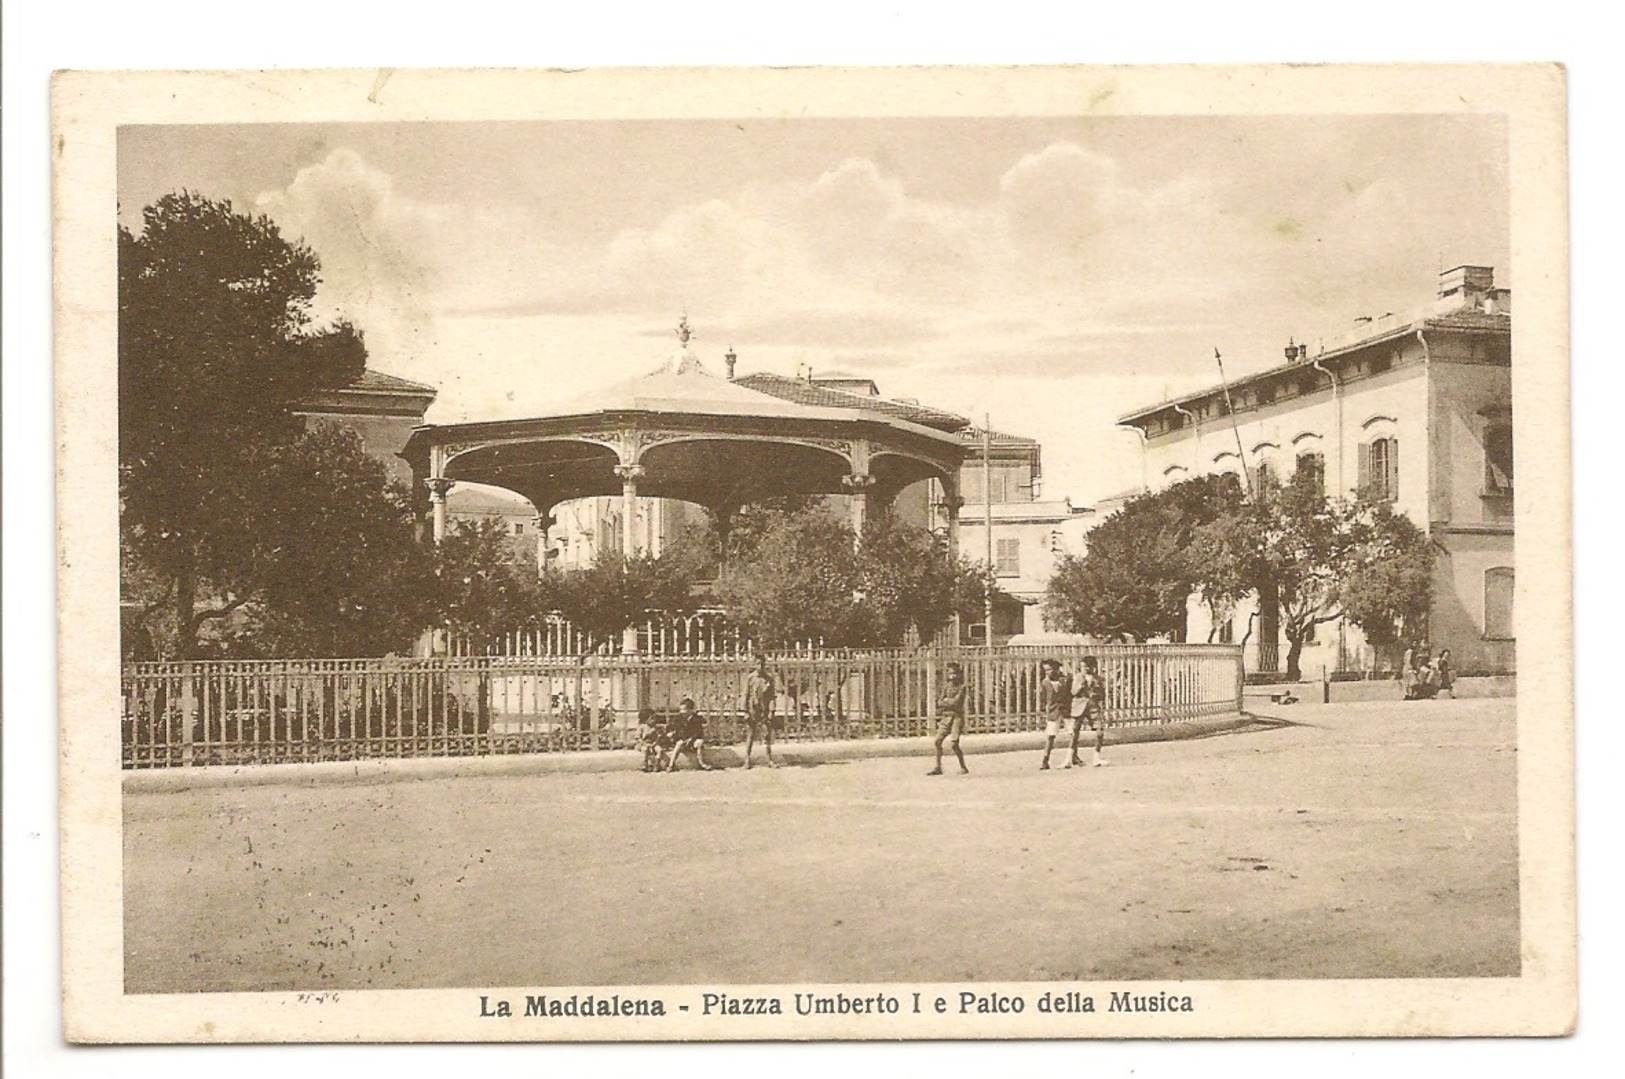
column 630, row 474
column 543, row 522
column 857, row 485
column 439, row 487
column 951, row 504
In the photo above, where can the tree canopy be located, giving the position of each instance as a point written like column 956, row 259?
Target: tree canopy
column 1311, row 558
column 1139, row 569
column 216, row 343
column 808, row 579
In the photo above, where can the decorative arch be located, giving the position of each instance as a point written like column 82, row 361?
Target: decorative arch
column 1306, row 436
column 1376, row 419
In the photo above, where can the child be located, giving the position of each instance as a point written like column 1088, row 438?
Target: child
column 951, row 718
column 1055, row 698
column 1089, row 704
column 690, row 735
column 649, row 738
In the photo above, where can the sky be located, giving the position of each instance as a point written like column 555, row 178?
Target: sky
column 1050, row 274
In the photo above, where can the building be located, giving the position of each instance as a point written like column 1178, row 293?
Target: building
column 1436, row 385
column 1030, row 533
column 381, row 408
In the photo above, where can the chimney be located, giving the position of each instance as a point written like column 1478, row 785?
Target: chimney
column 1466, row 285
column 730, row 358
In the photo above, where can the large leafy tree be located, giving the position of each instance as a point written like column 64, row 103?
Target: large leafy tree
column 1133, row 582
column 483, row 588
column 1388, row 590
column 216, row 343
column 616, row 592
column 809, row 579
column 340, row 571
column 1321, row 559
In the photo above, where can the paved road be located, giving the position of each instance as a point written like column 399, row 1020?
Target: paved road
column 1356, row 840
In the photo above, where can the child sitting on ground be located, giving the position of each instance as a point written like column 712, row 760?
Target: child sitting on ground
column 651, row 733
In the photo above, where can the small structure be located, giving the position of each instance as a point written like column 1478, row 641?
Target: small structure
column 681, row 432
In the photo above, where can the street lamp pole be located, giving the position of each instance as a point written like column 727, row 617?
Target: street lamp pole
column 987, row 517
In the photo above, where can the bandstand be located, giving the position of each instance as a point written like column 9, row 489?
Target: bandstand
column 682, row 432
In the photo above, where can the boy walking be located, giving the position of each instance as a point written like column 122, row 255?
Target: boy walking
column 951, row 718
column 1055, row 700
column 1089, row 706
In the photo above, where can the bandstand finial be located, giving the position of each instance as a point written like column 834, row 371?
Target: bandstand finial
column 683, row 332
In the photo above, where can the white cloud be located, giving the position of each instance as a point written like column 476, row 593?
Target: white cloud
column 376, row 251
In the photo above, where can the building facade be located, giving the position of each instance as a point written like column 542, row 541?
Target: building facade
column 1414, row 409
column 1001, row 488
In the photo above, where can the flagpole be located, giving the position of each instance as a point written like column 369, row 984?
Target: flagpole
column 1241, row 455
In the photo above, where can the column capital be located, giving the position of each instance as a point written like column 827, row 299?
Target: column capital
column 544, row 520
column 630, row 473
column 857, row 482
column 438, row 487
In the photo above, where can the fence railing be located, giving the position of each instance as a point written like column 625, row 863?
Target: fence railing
column 273, row 711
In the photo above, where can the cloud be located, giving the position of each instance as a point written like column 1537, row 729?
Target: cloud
column 376, row 251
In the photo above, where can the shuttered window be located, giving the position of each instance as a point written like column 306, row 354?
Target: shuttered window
column 1498, row 458
column 1007, row 557
column 1377, row 468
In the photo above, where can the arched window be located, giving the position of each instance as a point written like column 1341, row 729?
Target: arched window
column 1378, row 468
column 1498, row 589
column 1311, row 471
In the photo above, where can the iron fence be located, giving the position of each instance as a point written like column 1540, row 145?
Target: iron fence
column 225, row 712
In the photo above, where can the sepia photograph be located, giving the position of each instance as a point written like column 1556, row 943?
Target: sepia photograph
column 739, row 555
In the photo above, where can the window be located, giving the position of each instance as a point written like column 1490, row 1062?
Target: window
column 1227, row 631
column 1498, row 587
column 1311, row 472
column 1007, row 557
column 519, row 528
column 1379, row 469
column 1498, row 458
column 1264, row 479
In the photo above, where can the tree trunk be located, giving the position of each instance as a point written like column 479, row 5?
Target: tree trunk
column 185, row 596
column 1293, row 653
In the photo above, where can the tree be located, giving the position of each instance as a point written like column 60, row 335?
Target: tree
column 339, row 570
column 1293, row 547
column 216, row 343
column 1388, row 589
column 801, row 585
column 1133, row 582
column 616, row 592
column 484, row 589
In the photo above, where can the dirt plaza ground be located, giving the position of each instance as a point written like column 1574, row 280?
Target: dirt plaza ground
column 1350, row 840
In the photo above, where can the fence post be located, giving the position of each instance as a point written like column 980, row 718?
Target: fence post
column 1241, row 679
column 189, row 704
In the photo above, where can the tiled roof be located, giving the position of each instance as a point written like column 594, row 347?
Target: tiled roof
column 1467, row 319
column 372, row 381
column 805, row 393
column 1471, row 319
column 973, row 436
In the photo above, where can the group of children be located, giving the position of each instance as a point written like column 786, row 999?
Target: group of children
column 1061, row 696
column 664, row 742
column 1425, row 678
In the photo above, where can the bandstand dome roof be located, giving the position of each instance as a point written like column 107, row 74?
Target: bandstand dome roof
column 682, row 432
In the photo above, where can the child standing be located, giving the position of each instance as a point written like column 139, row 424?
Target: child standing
column 1055, row 700
column 1089, row 706
column 951, row 718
